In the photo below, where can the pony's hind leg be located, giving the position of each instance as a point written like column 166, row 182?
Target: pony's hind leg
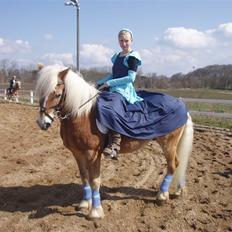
column 94, row 177
column 86, row 202
column 169, row 144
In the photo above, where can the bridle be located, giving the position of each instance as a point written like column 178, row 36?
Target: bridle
column 57, row 108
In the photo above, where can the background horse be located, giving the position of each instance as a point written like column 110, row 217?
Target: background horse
column 13, row 93
column 66, row 95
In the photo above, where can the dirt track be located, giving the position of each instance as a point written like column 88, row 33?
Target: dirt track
column 40, row 183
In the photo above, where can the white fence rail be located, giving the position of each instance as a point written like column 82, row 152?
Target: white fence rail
column 24, row 96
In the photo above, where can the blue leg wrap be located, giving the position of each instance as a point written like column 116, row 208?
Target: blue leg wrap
column 96, row 201
column 87, row 192
column 166, row 183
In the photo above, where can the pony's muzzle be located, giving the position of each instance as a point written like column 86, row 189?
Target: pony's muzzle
column 43, row 126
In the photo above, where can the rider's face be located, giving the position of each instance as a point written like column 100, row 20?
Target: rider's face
column 125, row 42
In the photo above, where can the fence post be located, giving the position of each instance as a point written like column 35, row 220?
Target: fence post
column 5, row 95
column 32, row 99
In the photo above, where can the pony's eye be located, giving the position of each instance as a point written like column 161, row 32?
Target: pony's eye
column 57, row 95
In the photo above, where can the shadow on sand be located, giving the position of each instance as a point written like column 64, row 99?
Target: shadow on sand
column 42, row 200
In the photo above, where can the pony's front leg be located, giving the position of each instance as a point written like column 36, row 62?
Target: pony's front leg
column 94, row 176
column 86, row 202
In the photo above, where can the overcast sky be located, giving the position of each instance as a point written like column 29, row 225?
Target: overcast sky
column 171, row 36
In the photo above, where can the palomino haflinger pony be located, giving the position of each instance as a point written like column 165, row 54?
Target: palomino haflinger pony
column 14, row 92
column 66, row 95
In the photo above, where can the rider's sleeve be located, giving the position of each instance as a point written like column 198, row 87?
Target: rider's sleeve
column 123, row 80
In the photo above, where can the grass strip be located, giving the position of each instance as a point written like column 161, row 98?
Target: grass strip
column 212, row 121
column 209, row 107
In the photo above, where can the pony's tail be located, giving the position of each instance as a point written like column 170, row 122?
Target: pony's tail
column 184, row 150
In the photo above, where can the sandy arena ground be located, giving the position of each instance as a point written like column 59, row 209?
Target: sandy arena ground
column 40, row 183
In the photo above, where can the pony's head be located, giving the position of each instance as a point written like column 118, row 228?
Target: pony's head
column 18, row 84
column 50, row 91
column 61, row 92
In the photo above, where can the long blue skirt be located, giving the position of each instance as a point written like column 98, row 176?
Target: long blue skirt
column 157, row 115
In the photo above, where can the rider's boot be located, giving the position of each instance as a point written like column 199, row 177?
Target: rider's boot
column 113, row 147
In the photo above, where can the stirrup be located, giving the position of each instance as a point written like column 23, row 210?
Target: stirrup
column 110, row 153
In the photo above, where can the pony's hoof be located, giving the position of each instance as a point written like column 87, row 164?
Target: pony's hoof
column 162, row 197
column 96, row 213
column 180, row 192
column 85, row 204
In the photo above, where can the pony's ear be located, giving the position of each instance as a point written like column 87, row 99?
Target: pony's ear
column 63, row 74
column 40, row 66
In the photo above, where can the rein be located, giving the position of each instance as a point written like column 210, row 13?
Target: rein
column 88, row 100
column 68, row 114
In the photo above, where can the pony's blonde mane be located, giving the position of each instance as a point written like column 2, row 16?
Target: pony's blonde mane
column 77, row 90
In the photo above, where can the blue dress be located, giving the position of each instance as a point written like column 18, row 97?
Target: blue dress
column 157, row 115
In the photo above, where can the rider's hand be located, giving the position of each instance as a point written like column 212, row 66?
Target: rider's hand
column 102, row 87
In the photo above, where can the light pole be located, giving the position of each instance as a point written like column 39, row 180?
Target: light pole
column 76, row 3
